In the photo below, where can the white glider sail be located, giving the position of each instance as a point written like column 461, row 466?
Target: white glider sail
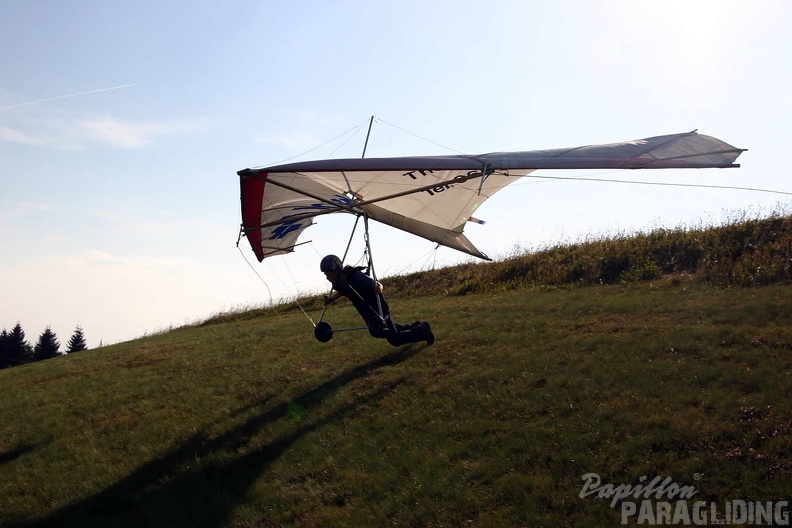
column 434, row 196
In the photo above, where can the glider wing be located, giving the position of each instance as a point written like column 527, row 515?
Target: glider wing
column 434, row 196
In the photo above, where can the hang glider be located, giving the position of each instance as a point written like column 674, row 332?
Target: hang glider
column 434, row 196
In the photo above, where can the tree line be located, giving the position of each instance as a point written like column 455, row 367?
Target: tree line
column 16, row 350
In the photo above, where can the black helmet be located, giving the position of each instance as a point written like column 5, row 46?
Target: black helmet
column 330, row 263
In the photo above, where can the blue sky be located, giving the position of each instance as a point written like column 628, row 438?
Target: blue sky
column 122, row 126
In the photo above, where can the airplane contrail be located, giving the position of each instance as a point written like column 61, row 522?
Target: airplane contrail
column 66, row 96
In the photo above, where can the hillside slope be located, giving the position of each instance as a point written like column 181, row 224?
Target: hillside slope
column 623, row 357
column 249, row 421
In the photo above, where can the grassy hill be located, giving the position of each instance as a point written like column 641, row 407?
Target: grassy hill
column 666, row 355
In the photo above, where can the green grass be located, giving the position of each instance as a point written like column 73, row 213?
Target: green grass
column 246, row 420
column 254, row 423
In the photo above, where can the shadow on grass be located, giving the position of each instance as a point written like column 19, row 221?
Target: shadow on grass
column 16, row 452
column 165, row 492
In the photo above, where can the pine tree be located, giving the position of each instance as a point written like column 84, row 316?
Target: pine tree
column 16, row 349
column 47, row 346
column 77, row 341
column 6, row 349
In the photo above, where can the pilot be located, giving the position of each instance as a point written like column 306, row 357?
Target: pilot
column 366, row 296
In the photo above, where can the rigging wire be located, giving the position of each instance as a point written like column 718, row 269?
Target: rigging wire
column 272, row 304
column 665, row 184
column 359, row 128
column 296, row 301
column 423, row 258
column 420, row 137
column 356, row 128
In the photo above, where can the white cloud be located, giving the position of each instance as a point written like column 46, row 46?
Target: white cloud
column 129, row 134
column 75, row 133
column 23, row 208
column 9, row 135
column 93, row 257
